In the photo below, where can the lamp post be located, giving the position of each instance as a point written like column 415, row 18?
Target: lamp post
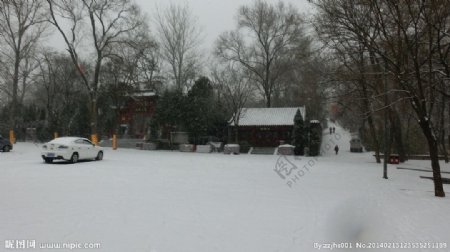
column 385, row 147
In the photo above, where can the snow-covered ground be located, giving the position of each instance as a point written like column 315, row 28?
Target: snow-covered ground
column 163, row 201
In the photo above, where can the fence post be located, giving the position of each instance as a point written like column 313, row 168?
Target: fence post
column 114, row 142
column 94, row 139
column 12, row 137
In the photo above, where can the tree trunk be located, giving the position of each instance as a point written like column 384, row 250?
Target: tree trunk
column 444, row 147
column 268, row 101
column 93, row 116
column 434, row 155
column 94, row 95
column 407, row 137
column 15, row 85
column 373, row 134
column 387, row 148
column 442, row 131
column 397, row 135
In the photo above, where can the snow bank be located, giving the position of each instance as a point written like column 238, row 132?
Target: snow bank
column 174, row 201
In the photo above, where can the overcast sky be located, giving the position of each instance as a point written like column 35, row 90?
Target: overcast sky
column 214, row 16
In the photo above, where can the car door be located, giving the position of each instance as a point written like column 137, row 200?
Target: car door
column 91, row 152
column 80, row 147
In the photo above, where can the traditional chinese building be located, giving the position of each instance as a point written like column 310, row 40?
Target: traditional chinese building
column 266, row 127
column 136, row 115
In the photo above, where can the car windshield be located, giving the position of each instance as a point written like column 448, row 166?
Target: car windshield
column 87, row 142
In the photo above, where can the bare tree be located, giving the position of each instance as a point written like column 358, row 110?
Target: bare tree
column 105, row 23
column 136, row 61
column 438, row 23
column 401, row 36
column 59, row 90
column 149, row 65
column 235, row 89
column 406, row 46
column 359, row 85
column 22, row 24
column 132, row 68
column 179, row 38
column 266, row 42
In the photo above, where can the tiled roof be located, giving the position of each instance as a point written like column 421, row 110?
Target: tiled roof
column 269, row 116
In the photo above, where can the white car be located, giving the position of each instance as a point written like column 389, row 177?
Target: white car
column 71, row 149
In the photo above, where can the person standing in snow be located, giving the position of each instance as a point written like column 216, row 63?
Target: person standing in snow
column 331, row 130
column 336, row 149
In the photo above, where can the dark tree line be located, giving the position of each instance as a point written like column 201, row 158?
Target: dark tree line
column 198, row 112
column 110, row 53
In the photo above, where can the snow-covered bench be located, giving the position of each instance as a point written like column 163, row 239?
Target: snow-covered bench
column 187, row 147
column 204, row 148
column 231, row 149
column 286, row 149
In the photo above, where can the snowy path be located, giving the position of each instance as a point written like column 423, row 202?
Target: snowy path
column 169, row 201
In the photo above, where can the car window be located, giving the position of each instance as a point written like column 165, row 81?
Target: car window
column 79, row 141
column 87, row 142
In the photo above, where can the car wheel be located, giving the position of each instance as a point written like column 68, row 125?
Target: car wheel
column 74, row 158
column 48, row 160
column 6, row 148
column 99, row 156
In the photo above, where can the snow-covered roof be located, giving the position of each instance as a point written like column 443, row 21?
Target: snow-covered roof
column 269, row 116
column 287, row 145
column 144, row 94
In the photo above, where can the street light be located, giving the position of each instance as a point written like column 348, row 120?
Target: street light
column 385, row 123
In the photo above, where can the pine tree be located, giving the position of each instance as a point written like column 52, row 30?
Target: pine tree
column 315, row 135
column 298, row 134
column 170, row 113
column 200, row 109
